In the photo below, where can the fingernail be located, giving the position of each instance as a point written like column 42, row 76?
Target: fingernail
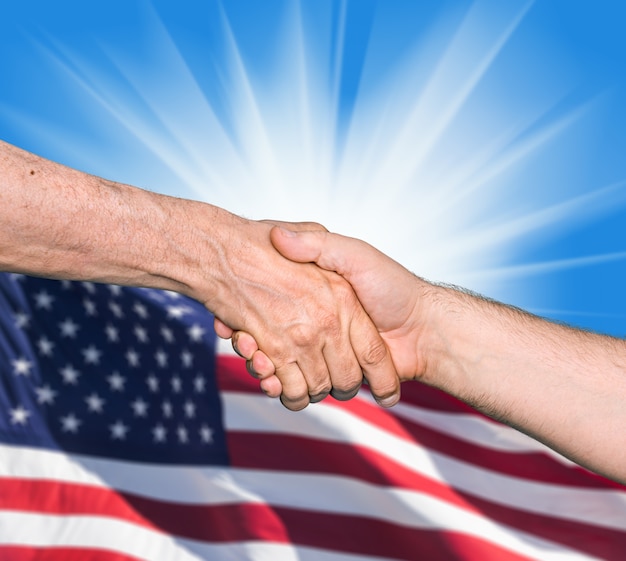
column 250, row 369
column 287, row 233
column 388, row 401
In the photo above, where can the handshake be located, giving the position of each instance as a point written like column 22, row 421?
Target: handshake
column 350, row 313
column 316, row 313
column 358, row 319
column 368, row 318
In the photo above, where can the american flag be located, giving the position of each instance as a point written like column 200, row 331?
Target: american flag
column 125, row 434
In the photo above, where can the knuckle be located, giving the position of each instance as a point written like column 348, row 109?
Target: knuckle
column 314, row 226
column 319, row 392
column 294, row 404
column 375, row 353
column 345, row 395
column 386, row 390
column 350, row 380
column 330, row 325
column 348, row 384
column 316, row 398
column 262, row 365
column 302, row 334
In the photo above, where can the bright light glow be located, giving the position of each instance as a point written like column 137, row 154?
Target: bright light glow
column 439, row 162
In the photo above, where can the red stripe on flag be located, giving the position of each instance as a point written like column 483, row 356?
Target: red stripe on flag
column 278, row 451
column 213, row 523
column 383, row 539
column 532, row 466
column 359, row 535
column 23, row 553
column 301, row 454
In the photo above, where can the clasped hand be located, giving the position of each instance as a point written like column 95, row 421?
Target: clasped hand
column 315, row 336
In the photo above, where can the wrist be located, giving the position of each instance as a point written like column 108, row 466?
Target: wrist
column 447, row 335
column 191, row 243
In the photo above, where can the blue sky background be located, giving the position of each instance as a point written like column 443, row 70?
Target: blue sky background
column 479, row 143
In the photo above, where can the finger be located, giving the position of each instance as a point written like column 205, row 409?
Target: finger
column 271, row 386
column 262, row 366
column 375, row 360
column 346, row 375
column 332, row 252
column 315, row 369
column 221, row 329
column 244, row 344
column 345, row 395
column 295, row 392
column 310, row 247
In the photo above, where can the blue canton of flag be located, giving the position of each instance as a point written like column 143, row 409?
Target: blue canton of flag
column 108, row 371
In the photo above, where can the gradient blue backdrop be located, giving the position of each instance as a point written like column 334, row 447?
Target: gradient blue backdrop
column 102, row 86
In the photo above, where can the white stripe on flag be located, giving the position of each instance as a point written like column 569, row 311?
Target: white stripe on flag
column 25, row 529
column 602, row 507
column 341, row 495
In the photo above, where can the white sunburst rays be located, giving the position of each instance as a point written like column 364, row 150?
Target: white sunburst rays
column 404, row 191
column 285, row 127
column 157, row 102
column 559, row 217
column 469, row 54
column 464, row 221
column 486, row 208
column 276, row 153
column 268, row 157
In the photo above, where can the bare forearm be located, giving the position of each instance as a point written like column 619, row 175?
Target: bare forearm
column 62, row 223
column 562, row 386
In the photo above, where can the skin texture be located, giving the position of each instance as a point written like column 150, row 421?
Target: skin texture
column 562, row 386
column 61, row 223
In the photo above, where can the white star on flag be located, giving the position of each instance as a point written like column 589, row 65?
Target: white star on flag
column 21, row 320
column 19, row 415
column 70, row 423
column 116, row 381
column 167, row 334
column 161, row 358
column 196, row 332
column 45, row 395
column 159, row 432
column 140, row 407
column 70, row 374
column 132, row 357
column 69, row 328
column 112, row 333
column 118, row 430
column 22, row 366
column 95, row 403
column 43, row 300
column 92, row 355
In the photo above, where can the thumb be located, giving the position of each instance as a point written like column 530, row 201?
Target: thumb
column 385, row 288
column 331, row 252
column 300, row 246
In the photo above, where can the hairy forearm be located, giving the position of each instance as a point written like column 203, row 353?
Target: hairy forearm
column 563, row 386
